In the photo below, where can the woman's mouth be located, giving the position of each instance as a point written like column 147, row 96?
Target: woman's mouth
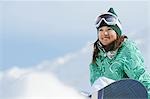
column 106, row 38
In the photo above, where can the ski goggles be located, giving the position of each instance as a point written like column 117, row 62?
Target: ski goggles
column 109, row 19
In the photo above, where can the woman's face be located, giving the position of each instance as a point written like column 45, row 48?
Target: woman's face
column 106, row 35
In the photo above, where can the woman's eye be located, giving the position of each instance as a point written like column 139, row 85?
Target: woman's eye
column 109, row 29
column 100, row 30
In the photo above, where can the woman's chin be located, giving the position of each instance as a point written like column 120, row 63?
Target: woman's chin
column 105, row 42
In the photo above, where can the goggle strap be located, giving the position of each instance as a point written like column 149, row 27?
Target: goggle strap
column 119, row 25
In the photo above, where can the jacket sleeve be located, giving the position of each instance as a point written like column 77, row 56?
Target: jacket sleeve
column 93, row 73
column 134, row 67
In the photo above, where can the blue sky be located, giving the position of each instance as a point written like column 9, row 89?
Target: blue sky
column 34, row 31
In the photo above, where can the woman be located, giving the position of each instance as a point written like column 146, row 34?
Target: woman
column 114, row 55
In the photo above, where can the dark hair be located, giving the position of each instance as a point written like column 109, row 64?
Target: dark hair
column 111, row 47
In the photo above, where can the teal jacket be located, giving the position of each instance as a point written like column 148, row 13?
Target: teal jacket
column 126, row 62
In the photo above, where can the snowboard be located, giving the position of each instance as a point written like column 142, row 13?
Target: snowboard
column 122, row 89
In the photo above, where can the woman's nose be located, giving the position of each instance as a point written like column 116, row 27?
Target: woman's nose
column 105, row 33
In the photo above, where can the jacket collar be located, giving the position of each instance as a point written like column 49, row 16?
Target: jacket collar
column 109, row 54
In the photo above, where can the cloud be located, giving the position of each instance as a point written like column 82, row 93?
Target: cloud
column 16, row 73
column 71, row 67
column 59, row 78
column 29, row 84
column 73, row 59
column 49, row 86
column 1, row 75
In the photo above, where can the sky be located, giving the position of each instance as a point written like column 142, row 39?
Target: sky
column 51, row 40
column 34, row 31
